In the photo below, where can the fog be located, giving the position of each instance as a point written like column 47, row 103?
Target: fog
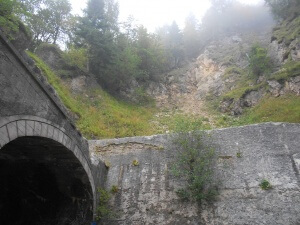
column 156, row 13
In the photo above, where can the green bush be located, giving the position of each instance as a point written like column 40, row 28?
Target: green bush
column 260, row 63
column 76, row 57
column 194, row 164
column 103, row 209
column 9, row 23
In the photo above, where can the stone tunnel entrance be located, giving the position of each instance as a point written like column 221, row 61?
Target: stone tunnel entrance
column 42, row 182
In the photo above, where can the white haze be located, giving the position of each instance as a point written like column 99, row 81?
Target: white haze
column 156, row 13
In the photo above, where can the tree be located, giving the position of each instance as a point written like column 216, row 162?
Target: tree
column 46, row 19
column 8, row 20
column 94, row 31
column 221, row 5
column 130, row 29
column 176, row 44
column 111, row 9
column 191, row 37
column 282, row 9
column 151, row 53
column 235, row 17
column 60, row 12
column 259, row 61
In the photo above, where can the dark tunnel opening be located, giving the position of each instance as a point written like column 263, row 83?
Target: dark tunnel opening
column 42, row 182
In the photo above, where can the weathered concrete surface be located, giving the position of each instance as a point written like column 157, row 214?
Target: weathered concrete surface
column 268, row 151
column 30, row 108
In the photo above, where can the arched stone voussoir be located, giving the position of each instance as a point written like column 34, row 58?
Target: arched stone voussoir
column 4, row 137
column 26, row 126
column 14, row 127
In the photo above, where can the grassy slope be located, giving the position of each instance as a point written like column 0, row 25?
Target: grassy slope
column 282, row 109
column 287, row 31
column 270, row 109
column 101, row 115
column 288, row 70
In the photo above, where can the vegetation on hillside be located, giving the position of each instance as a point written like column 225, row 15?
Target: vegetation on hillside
column 288, row 70
column 271, row 109
column 284, row 108
column 287, row 31
column 259, row 62
column 287, row 12
column 8, row 20
column 99, row 114
column 122, row 54
column 118, row 53
column 284, row 9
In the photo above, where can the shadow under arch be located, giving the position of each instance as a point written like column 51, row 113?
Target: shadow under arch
column 45, row 178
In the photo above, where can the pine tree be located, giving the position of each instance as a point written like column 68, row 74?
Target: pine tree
column 96, row 33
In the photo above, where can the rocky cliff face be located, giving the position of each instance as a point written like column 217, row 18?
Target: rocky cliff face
column 77, row 79
column 189, row 86
column 218, row 71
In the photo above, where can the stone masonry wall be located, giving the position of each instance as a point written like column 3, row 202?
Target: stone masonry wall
column 23, row 93
column 29, row 106
column 146, row 192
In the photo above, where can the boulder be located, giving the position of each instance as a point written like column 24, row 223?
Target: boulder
column 252, row 98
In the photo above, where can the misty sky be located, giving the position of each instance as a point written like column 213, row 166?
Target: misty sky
column 155, row 13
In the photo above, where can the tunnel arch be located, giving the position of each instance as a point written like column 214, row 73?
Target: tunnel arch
column 20, row 137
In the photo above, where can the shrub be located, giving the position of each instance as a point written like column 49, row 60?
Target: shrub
column 76, row 57
column 194, row 164
column 9, row 23
column 259, row 61
column 103, row 209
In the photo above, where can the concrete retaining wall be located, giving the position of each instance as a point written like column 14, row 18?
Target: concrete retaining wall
column 268, row 151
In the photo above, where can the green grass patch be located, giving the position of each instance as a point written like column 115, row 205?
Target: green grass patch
column 245, row 82
column 99, row 114
column 281, row 109
column 242, row 91
column 290, row 69
column 232, row 71
column 270, row 109
column 172, row 121
column 65, row 95
column 287, row 31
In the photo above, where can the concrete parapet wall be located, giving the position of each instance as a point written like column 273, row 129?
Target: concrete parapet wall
column 147, row 192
